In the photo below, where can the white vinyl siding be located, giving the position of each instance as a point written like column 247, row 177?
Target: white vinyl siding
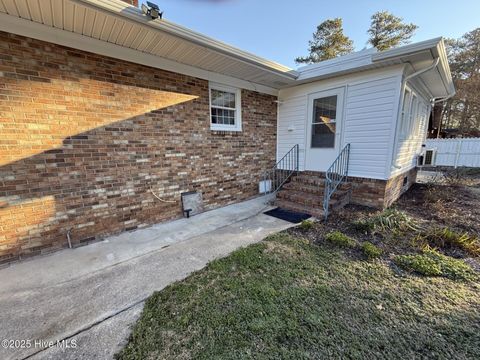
column 291, row 128
column 371, row 108
column 369, row 115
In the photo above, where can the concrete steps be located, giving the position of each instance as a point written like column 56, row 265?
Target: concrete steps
column 305, row 192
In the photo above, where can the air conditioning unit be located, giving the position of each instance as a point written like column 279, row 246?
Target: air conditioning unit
column 427, row 158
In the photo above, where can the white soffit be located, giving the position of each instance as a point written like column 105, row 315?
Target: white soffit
column 114, row 28
column 116, row 22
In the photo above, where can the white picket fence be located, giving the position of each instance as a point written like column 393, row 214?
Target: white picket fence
column 456, row 152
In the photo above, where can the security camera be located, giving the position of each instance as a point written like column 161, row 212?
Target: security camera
column 152, row 10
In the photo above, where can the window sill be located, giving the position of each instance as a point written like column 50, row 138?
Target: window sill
column 225, row 129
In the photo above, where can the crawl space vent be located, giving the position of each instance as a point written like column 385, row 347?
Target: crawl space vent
column 192, row 203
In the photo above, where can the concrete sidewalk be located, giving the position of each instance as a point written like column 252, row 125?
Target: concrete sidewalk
column 94, row 293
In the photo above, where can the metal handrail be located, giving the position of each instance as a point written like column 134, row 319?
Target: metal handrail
column 336, row 174
column 274, row 178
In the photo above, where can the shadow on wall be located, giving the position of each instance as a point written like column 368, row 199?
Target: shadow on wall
column 94, row 182
column 85, row 138
column 99, row 182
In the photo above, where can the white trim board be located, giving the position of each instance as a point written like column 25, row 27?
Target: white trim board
column 46, row 33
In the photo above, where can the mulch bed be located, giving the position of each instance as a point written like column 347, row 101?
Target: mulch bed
column 456, row 206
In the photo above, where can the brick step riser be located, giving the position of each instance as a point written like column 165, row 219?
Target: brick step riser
column 308, row 181
column 314, row 190
column 299, row 208
column 308, row 199
column 313, row 202
column 304, row 193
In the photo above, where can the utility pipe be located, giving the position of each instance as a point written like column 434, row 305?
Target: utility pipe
column 69, row 238
column 438, row 100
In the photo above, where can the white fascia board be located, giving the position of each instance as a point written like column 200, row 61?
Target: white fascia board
column 47, row 33
column 337, row 60
column 444, row 68
column 436, row 47
column 335, row 67
column 407, row 50
column 132, row 13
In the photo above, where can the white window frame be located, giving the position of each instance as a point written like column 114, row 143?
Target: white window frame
column 413, row 112
column 238, row 107
column 419, row 123
column 404, row 120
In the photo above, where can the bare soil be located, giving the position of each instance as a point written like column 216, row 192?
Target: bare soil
column 453, row 204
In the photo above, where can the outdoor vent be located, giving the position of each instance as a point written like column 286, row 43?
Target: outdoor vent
column 427, row 158
column 192, row 203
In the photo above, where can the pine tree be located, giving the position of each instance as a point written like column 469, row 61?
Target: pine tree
column 328, row 42
column 463, row 110
column 388, row 31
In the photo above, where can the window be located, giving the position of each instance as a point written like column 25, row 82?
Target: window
column 405, row 114
column 413, row 115
column 225, row 108
column 420, row 121
column 324, row 122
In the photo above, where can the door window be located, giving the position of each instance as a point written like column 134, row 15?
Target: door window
column 324, row 122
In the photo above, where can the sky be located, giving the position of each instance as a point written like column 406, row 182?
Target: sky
column 279, row 30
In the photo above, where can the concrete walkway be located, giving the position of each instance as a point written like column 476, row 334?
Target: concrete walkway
column 91, row 295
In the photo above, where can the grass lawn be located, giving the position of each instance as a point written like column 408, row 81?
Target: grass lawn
column 350, row 288
column 288, row 298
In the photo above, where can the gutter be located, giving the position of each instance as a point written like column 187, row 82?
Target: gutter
column 404, row 82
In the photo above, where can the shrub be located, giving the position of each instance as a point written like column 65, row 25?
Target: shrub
column 340, row 239
column 306, row 225
column 447, row 238
column 363, row 226
column 388, row 220
column 420, row 264
column 371, row 251
column 432, row 263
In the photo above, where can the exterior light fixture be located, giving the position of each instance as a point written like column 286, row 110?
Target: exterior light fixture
column 152, row 10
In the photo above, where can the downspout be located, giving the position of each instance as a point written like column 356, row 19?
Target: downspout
column 404, row 82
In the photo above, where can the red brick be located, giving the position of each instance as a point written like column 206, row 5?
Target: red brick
column 86, row 140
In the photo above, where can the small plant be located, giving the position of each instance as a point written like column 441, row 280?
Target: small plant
column 432, row 263
column 371, row 251
column 420, row 264
column 388, row 220
column 306, row 225
column 448, row 238
column 340, row 239
column 363, row 226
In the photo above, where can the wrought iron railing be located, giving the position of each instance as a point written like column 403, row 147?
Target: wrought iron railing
column 274, row 178
column 336, row 174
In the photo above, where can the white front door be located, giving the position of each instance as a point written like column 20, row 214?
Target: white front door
column 324, row 126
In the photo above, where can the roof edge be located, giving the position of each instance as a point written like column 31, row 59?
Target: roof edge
column 132, row 13
column 406, row 49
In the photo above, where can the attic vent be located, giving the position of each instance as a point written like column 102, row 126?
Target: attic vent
column 280, row 83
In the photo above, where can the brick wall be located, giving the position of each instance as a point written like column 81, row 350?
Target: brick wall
column 368, row 192
column 397, row 185
column 131, row 2
column 85, row 138
column 381, row 193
